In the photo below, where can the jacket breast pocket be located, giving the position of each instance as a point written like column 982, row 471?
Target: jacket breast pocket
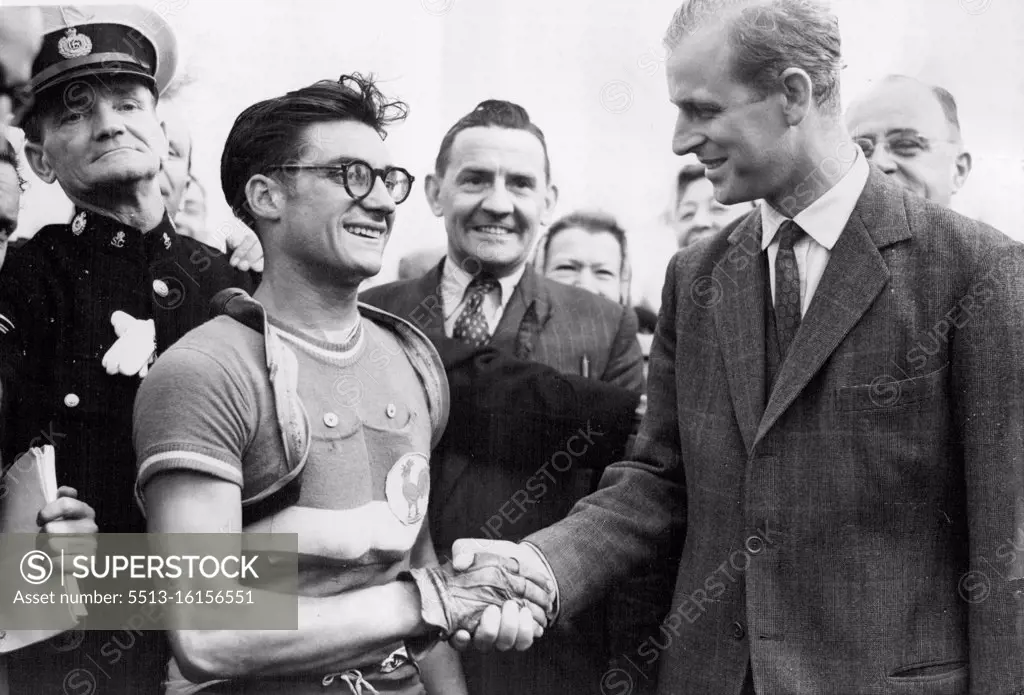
column 931, row 678
column 888, row 393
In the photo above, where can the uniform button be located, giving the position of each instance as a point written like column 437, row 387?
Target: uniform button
column 161, row 288
column 737, row 630
column 391, row 410
column 330, row 419
column 71, row 400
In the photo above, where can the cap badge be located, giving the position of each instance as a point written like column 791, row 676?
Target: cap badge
column 78, row 224
column 74, row 45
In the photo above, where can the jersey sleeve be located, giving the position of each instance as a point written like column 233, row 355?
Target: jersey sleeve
column 191, row 413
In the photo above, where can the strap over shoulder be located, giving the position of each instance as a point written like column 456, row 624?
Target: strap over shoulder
column 237, row 304
column 283, row 370
column 425, row 360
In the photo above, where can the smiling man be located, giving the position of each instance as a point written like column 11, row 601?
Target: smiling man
column 835, row 404
column 492, row 187
column 910, row 130
column 310, row 173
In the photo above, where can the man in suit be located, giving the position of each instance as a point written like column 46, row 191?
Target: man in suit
column 836, row 405
column 910, row 130
column 492, row 186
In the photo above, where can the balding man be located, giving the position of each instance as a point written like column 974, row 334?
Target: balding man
column 910, row 130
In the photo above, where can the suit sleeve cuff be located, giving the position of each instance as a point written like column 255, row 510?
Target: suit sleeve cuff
column 553, row 618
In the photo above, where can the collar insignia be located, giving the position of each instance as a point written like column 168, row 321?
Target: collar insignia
column 78, row 224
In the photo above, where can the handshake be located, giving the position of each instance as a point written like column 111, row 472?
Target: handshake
column 493, row 595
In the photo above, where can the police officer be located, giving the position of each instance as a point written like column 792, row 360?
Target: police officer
column 85, row 307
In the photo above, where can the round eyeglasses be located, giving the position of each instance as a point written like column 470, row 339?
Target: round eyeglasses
column 358, row 178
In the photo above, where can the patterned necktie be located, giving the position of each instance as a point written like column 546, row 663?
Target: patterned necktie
column 787, row 286
column 471, row 326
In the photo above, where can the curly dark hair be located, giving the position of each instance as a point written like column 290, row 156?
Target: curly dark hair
column 268, row 134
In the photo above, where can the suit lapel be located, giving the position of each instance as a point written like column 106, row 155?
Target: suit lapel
column 853, row 279
column 739, row 320
column 529, row 291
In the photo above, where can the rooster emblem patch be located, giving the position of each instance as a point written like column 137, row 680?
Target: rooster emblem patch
column 408, row 488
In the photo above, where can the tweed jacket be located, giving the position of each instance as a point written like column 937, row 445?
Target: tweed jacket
column 857, row 528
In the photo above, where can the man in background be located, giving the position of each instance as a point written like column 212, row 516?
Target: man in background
column 492, row 187
column 910, row 130
column 693, row 214
column 185, row 197
column 21, row 33
column 696, row 213
column 191, row 217
column 588, row 250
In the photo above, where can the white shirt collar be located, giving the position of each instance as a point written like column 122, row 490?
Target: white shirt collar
column 825, row 218
column 455, row 279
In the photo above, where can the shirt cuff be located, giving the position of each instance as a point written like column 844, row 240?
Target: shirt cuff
column 553, row 618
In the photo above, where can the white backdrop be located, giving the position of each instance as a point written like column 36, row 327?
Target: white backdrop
column 591, row 73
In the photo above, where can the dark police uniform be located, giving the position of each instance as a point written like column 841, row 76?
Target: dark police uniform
column 57, row 295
